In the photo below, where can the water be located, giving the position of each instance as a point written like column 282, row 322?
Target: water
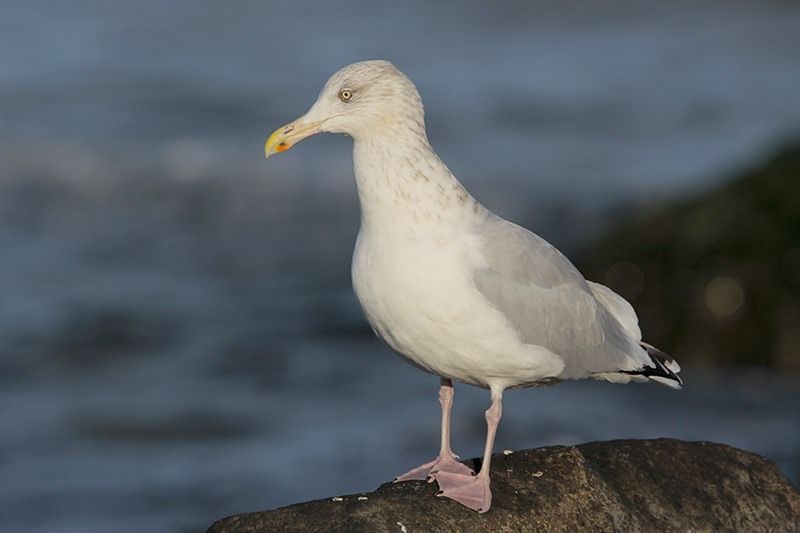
column 178, row 338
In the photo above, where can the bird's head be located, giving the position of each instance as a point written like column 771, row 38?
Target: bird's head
column 365, row 98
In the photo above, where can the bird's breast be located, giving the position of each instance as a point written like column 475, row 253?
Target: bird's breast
column 407, row 287
column 418, row 297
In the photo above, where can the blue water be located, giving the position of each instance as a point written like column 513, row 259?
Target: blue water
column 178, row 337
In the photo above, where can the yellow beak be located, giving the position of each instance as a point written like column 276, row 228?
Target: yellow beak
column 287, row 136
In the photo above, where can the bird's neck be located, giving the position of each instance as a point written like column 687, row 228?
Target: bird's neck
column 402, row 184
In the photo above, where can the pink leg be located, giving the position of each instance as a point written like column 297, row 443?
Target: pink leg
column 447, row 460
column 474, row 491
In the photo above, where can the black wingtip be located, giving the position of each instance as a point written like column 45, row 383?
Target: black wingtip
column 664, row 370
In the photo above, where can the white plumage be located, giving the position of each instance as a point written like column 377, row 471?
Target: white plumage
column 454, row 288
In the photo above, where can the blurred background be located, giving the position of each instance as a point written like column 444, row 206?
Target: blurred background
column 178, row 336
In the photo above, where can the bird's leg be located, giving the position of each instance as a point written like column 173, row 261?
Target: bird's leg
column 447, row 461
column 474, row 491
column 446, row 394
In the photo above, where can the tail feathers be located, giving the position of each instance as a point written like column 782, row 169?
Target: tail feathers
column 664, row 371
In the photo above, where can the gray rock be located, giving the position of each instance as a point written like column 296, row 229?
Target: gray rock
column 628, row 485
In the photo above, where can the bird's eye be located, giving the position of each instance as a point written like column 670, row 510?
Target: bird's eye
column 345, row 95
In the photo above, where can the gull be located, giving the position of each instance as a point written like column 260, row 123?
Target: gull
column 455, row 289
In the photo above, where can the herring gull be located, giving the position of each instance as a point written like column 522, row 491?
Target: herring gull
column 454, row 288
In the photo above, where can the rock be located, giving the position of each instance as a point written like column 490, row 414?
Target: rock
column 646, row 485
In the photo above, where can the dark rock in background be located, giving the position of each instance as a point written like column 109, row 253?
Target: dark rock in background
column 715, row 279
column 649, row 485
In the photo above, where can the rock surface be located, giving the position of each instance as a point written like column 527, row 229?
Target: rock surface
column 648, row 485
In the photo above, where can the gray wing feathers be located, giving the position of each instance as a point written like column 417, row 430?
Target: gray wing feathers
column 619, row 309
column 550, row 303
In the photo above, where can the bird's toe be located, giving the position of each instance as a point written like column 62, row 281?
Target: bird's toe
column 469, row 490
